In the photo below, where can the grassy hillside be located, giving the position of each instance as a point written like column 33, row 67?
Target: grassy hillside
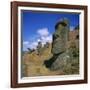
column 33, row 63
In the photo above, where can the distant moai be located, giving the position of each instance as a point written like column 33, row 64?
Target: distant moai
column 39, row 48
column 47, row 45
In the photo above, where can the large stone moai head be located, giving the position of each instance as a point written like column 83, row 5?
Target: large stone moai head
column 60, row 36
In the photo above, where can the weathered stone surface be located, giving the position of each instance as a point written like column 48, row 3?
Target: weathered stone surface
column 60, row 62
column 39, row 48
column 60, row 37
column 47, row 45
column 68, row 59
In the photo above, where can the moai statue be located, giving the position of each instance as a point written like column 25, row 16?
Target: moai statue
column 60, row 38
column 39, row 48
column 46, row 45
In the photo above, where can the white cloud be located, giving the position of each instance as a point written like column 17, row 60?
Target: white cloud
column 43, row 32
column 49, row 38
column 44, row 36
column 38, row 40
column 46, row 39
column 25, row 42
column 31, row 45
column 71, row 28
column 25, row 45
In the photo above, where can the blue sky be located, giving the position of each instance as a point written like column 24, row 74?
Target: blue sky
column 39, row 26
